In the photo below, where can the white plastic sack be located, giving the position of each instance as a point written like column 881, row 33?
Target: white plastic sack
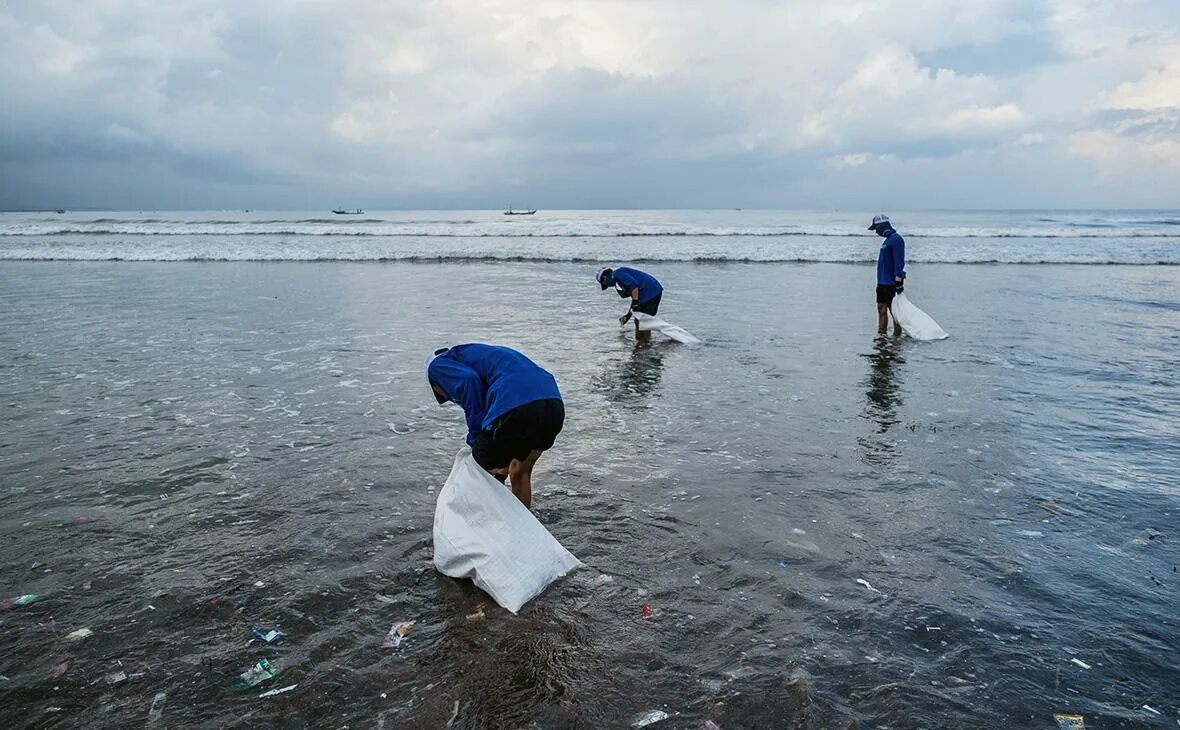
column 914, row 322
column 655, row 324
column 483, row 532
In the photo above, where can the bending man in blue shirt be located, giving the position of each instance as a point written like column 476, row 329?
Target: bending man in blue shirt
column 640, row 287
column 513, row 408
column 890, row 271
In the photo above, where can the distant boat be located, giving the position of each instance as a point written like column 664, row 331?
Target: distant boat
column 358, row 211
column 510, row 211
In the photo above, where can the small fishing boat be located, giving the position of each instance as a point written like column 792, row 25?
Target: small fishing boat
column 510, row 211
column 358, row 211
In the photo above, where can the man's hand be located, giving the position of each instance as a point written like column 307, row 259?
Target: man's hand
column 899, row 285
column 625, row 318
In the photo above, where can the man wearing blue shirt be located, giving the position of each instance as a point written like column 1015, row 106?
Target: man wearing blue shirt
column 512, row 405
column 640, row 287
column 890, row 271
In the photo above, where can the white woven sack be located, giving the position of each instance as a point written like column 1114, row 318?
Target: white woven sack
column 483, row 532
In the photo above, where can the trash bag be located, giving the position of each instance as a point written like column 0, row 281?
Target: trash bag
column 483, row 532
column 914, row 322
column 655, row 324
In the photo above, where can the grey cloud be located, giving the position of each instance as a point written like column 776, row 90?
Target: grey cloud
column 425, row 105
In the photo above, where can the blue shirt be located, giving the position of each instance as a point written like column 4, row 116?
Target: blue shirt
column 891, row 260
column 488, row 381
column 628, row 279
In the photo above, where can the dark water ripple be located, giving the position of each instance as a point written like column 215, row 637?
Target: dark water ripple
column 192, row 451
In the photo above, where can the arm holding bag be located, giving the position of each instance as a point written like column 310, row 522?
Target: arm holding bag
column 483, row 532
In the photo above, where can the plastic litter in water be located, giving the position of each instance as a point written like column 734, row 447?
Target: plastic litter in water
column 650, row 718
column 477, row 614
column 24, row 600
column 156, row 713
column 279, row 691
column 117, row 677
column 79, row 634
column 646, row 611
column 867, row 584
column 1070, row 722
column 269, row 636
column 59, row 669
column 396, row 634
column 710, row 725
column 1152, row 710
column 1080, row 663
column 260, row 672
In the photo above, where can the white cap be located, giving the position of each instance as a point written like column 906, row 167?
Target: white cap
column 878, row 220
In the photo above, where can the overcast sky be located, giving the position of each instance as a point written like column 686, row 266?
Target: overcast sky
column 851, row 104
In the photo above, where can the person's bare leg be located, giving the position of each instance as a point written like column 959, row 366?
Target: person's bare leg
column 896, row 325
column 641, row 335
column 520, row 475
column 882, row 318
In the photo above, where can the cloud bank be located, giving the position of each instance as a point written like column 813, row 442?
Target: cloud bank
column 860, row 104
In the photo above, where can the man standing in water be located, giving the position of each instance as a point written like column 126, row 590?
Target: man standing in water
column 640, row 287
column 890, row 271
column 513, row 408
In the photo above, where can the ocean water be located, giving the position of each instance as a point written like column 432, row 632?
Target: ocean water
column 830, row 529
column 1091, row 237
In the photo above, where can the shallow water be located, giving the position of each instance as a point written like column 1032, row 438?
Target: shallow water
column 192, row 451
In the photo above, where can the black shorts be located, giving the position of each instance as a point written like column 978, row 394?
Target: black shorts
column 651, row 306
column 532, row 426
column 885, row 294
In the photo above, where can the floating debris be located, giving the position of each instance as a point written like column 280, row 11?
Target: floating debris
column 156, row 713
column 79, row 635
column 650, row 718
column 1152, row 710
column 24, row 600
column 117, row 677
column 396, row 634
column 454, row 714
column 867, row 584
column 59, row 669
column 1080, row 663
column 269, row 636
column 477, row 614
column 382, row 598
column 646, row 611
column 1070, row 722
column 260, row 672
column 279, row 691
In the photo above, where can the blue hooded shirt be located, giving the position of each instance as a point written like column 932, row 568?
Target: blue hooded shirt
column 488, row 381
column 627, row 279
column 891, row 260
